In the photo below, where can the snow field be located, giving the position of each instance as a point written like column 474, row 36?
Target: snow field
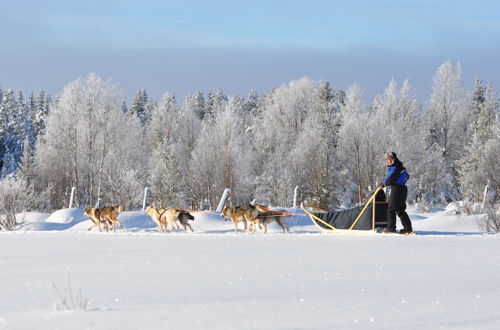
column 215, row 279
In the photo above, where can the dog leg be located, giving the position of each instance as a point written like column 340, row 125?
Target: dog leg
column 286, row 226
column 282, row 227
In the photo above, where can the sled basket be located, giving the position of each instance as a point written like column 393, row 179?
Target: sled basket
column 368, row 217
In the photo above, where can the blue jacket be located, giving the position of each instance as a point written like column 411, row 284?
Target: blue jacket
column 396, row 174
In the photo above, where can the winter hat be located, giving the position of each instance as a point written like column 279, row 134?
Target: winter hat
column 391, row 154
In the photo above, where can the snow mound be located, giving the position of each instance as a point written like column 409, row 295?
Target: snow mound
column 67, row 216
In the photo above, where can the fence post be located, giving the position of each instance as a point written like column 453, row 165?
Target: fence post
column 144, row 200
column 223, row 200
column 72, row 197
column 485, row 194
column 295, row 196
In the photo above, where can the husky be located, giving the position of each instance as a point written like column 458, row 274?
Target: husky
column 184, row 218
column 236, row 215
column 105, row 216
column 110, row 214
column 263, row 215
column 157, row 215
column 93, row 215
column 170, row 217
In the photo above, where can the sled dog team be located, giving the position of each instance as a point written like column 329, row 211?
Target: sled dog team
column 166, row 218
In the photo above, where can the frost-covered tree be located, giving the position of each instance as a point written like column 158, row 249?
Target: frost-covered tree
column 165, row 117
column 11, row 130
column 40, row 111
column 188, row 131
column 282, row 120
column 446, row 127
column 215, row 103
column 26, row 128
column 15, row 197
column 198, row 104
column 220, row 159
column 89, row 143
column 189, row 124
column 359, row 148
column 252, row 103
column 163, row 136
column 397, row 115
column 476, row 162
column 124, row 107
column 165, row 180
column 141, row 107
column 25, row 172
column 315, row 154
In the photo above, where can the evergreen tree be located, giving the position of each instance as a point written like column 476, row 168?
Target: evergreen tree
column 165, row 117
column 252, row 103
column 25, row 173
column 124, row 107
column 198, row 105
column 10, row 132
column 141, row 107
column 215, row 103
column 40, row 112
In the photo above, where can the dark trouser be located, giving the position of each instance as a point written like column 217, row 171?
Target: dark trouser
column 397, row 205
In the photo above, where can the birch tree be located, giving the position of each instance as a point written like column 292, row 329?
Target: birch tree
column 398, row 117
column 479, row 157
column 282, row 120
column 446, row 126
column 87, row 142
column 219, row 159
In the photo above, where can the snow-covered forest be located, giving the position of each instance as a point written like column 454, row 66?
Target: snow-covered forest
column 328, row 142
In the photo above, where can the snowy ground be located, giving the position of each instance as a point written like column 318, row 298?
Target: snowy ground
column 445, row 277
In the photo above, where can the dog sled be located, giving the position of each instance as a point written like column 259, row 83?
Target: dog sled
column 362, row 219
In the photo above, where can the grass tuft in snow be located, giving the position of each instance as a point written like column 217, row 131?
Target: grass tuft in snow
column 491, row 221
column 69, row 299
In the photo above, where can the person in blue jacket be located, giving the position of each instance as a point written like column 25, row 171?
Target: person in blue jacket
column 396, row 181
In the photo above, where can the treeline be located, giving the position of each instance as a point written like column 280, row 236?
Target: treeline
column 326, row 141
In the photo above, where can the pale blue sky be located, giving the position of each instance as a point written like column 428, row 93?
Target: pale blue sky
column 182, row 46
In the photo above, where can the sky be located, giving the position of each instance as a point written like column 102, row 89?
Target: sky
column 237, row 46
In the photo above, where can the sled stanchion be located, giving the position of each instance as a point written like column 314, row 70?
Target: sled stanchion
column 373, row 212
column 364, row 208
column 315, row 218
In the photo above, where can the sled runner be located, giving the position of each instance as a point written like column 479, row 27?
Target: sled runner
column 362, row 219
